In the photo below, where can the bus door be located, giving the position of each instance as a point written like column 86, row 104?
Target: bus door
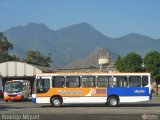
column 26, row 89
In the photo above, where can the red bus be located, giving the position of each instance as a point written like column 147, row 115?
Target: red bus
column 17, row 90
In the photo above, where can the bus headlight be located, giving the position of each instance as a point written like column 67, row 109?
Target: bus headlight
column 5, row 94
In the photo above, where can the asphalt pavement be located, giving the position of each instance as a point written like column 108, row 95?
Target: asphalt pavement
column 140, row 110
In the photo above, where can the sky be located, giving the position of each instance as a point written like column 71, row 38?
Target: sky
column 113, row 18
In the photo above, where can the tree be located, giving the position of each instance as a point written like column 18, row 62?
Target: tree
column 5, row 47
column 152, row 65
column 120, row 65
column 132, row 62
column 35, row 57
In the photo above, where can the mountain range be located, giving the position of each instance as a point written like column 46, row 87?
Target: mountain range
column 75, row 43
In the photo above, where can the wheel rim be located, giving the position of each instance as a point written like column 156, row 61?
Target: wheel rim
column 56, row 102
column 113, row 102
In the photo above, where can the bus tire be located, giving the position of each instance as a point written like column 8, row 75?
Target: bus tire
column 112, row 101
column 56, row 101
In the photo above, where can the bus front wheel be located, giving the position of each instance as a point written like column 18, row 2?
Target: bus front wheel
column 113, row 101
column 56, row 101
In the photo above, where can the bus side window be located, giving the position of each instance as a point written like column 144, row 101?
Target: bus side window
column 46, row 84
column 144, row 81
column 121, row 81
column 114, row 83
column 58, row 82
column 42, row 85
column 102, row 81
column 25, row 86
column 110, row 81
column 135, row 81
column 88, row 81
column 72, row 82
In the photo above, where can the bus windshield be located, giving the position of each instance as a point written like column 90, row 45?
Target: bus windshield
column 13, row 87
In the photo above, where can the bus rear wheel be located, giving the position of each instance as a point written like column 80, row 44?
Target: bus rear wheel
column 56, row 101
column 113, row 101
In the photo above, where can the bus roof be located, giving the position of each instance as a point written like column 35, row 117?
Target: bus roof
column 23, row 81
column 91, row 73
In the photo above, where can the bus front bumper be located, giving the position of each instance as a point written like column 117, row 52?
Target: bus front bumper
column 13, row 98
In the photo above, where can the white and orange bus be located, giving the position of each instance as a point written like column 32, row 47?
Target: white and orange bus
column 110, row 88
column 17, row 90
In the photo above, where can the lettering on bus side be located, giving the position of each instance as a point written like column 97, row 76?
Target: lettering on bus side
column 101, row 91
column 139, row 91
column 69, row 92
